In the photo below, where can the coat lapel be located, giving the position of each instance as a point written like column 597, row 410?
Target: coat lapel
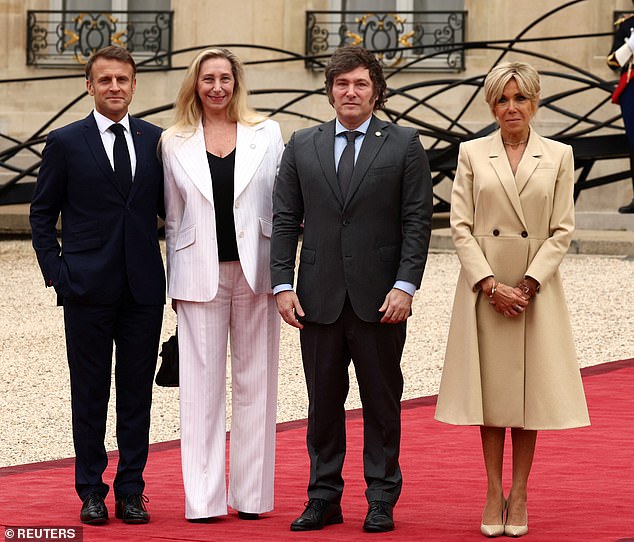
column 372, row 143
column 250, row 150
column 500, row 163
column 192, row 156
column 141, row 151
column 325, row 150
column 529, row 161
column 95, row 144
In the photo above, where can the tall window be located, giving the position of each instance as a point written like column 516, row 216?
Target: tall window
column 421, row 34
column 71, row 30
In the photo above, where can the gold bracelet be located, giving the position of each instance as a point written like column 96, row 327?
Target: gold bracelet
column 527, row 288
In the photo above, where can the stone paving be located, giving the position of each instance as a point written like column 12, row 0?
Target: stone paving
column 34, row 389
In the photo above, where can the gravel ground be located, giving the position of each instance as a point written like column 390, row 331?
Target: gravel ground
column 34, row 389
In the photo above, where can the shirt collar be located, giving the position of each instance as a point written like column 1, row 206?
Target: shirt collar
column 103, row 122
column 363, row 128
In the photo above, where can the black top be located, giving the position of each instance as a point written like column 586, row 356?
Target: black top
column 222, row 183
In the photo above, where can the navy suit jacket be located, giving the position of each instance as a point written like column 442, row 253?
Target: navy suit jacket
column 107, row 239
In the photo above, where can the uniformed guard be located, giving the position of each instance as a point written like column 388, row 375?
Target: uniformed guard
column 621, row 58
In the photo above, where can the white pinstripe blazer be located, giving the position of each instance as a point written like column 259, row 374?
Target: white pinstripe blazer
column 190, row 222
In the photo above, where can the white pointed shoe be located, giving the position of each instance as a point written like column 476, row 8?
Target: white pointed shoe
column 516, row 531
column 492, row 531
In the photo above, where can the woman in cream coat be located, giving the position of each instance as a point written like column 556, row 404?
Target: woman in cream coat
column 510, row 359
column 220, row 161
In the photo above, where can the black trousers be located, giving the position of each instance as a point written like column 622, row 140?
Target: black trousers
column 91, row 331
column 375, row 350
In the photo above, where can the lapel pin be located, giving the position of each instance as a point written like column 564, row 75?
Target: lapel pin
column 138, row 133
column 378, row 133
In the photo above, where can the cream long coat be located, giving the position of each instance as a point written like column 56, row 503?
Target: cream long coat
column 519, row 372
column 190, row 223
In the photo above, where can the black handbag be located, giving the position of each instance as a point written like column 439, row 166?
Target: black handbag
column 167, row 375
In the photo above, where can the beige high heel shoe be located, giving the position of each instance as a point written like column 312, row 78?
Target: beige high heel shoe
column 516, row 530
column 493, row 531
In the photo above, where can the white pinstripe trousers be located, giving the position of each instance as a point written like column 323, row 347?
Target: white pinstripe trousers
column 253, row 324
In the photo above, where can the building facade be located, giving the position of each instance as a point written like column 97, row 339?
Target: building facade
column 436, row 81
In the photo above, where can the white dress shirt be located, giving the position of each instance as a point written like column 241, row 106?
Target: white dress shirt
column 108, row 137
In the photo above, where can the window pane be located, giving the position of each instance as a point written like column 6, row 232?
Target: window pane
column 152, row 5
column 438, row 5
column 87, row 5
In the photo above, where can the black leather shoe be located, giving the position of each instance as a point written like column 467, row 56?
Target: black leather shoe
column 131, row 509
column 626, row 209
column 94, row 511
column 248, row 515
column 318, row 513
column 379, row 517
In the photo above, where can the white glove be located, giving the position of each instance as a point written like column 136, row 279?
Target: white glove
column 630, row 40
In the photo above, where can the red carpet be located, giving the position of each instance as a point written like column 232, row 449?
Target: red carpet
column 581, row 487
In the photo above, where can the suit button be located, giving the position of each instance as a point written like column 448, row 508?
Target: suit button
column 241, row 234
column 346, row 222
column 524, row 234
column 496, row 232
column 237, row 204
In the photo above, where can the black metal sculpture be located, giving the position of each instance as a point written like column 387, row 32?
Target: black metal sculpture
column 594, row 137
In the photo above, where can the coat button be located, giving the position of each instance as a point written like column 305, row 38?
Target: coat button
column 524, row 234
column 496, row 232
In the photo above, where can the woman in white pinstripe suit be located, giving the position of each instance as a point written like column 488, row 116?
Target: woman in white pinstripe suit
column 220, row 160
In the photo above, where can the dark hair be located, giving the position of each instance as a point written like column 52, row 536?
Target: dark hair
column 112, row 52
column 346, row 59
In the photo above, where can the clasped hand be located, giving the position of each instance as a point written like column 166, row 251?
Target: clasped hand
column 509, row 301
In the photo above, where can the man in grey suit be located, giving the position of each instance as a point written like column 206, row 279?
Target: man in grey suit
column 362, row 189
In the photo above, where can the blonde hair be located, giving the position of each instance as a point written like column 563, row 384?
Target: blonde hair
column 188, row 109
column 525, row 76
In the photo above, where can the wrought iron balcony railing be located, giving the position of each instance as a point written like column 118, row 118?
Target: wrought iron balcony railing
column 425, row 35
column 67, row 38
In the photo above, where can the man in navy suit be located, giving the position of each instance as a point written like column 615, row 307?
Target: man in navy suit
column 107, row 185
column 362, row 188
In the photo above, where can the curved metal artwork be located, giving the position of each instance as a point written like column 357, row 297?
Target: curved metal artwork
column 594, row 130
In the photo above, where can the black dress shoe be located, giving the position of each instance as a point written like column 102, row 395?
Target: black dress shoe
column 131, row 509
column 379, row 517
column 94, row 511
column 248, row 515
column 318, row 513
column 626, row 209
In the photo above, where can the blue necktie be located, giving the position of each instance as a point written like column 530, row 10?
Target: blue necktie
column 122, row 166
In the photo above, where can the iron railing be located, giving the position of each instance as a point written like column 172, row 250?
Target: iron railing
column 67, row 38
column 400, row 36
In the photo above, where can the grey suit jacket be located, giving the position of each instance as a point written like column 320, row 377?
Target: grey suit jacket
column 360, row 246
